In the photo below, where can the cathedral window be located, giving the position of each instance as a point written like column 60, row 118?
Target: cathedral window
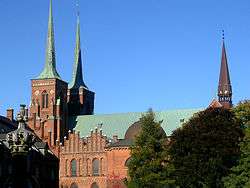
column 73, row 185
column 66, row 167
column 45, row 98
column 73, row 168
column 94, row 185
column 95, row 167
column 101, row 167
column 88, row 167
column 127, row 161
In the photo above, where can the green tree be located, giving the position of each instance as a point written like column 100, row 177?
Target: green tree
column 240, row 174
column 205, row 148
column 148, row 167
column 242, row 112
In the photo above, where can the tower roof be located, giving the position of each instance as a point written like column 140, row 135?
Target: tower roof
column 49, row 70
column 224, row 87
column 77, row 77
column 215, row 104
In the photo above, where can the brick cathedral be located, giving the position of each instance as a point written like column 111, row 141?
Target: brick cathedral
column 93, row 150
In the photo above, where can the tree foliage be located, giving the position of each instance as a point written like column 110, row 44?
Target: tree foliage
column 240, row 174
column 242, row 112
column 205, row 148
column 149, row 166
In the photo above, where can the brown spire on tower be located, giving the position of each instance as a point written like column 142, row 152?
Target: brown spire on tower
column 224, row 87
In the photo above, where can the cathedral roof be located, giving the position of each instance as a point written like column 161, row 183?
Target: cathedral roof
column 6, row 125
column 215, row 104
column 121, row 143
column 118, row 124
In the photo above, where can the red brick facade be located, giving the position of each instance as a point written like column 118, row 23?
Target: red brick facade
column 48, row 110
column 96, row 163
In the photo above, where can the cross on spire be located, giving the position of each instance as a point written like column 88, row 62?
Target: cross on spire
column 223, row 35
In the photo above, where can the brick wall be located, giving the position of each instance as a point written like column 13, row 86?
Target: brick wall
column 83, row 152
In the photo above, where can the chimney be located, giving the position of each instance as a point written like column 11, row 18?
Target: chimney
column 115, row 138
column 10, row 114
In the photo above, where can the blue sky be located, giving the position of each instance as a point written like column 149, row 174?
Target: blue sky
column 163, row 54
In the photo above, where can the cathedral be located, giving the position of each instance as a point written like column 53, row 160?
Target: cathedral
column 83, row 150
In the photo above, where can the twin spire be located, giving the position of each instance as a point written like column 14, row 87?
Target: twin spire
column 77, row 78
column 49, row 70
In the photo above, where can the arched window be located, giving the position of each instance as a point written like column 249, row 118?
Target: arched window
column 88, row 168
column 61, row 99
column 73, row 185
column 94, row 185
column 101, row 167
column 95, row 167
column 45, row 99
column 127, row 161
column 66, row 167
column 73, row 168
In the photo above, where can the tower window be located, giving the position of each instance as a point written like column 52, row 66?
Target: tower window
column 45, row 98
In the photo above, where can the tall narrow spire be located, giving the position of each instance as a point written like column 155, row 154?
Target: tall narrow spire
column 77, row 77
column 49, row 70
column 224, row 87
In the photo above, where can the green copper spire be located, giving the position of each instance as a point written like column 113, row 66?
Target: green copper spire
column 49, row 70
column 77, row 78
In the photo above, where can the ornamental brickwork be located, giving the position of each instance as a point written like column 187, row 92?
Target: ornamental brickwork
column 48, row 110
column 88, row 162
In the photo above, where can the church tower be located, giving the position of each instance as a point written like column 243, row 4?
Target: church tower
column 80, row 98
column 224, row 87
column 48, row 108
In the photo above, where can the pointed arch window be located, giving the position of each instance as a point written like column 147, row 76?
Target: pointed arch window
column 95, row 167
column 94, row 185
column 45, row 99
column 66, row 167
column 127, row 161
column 73, row 185
column 73, row 168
